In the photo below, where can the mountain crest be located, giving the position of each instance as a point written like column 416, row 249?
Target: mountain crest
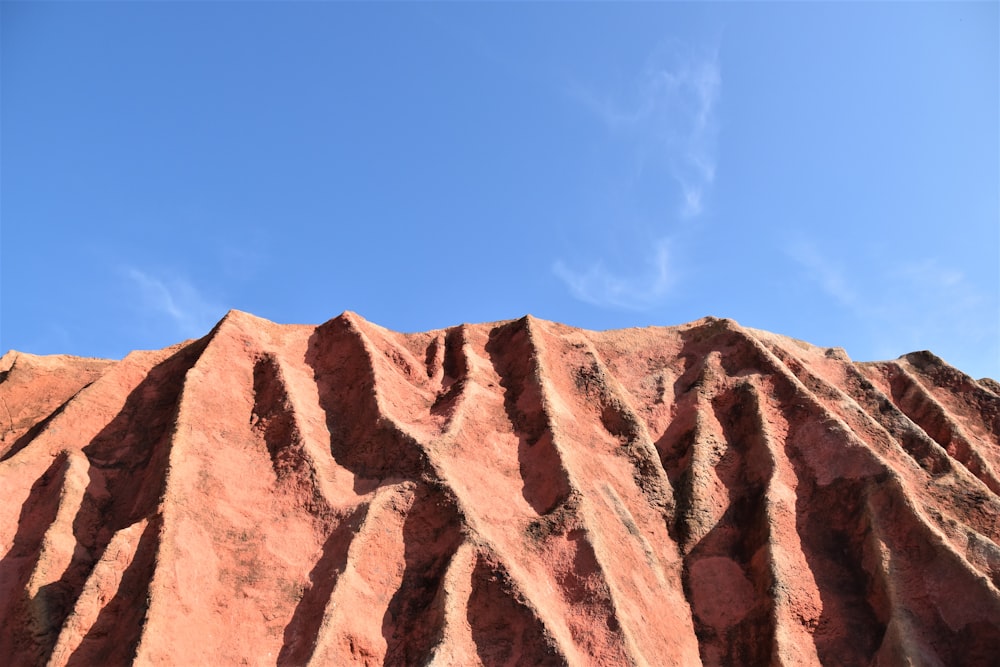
column 517, row 492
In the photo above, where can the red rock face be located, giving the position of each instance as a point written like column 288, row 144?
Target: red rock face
column 503, row 494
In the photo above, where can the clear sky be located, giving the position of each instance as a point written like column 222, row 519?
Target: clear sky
column 824, row 171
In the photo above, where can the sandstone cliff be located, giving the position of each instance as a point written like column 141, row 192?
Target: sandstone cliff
column 510, row 493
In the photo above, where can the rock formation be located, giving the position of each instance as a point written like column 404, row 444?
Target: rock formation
column 513, row 493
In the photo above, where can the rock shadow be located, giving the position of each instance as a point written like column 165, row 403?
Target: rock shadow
column 731, row 556
column 38, row 512
column 127, row 469
column 504, row 630
column 545, row 483
column 361, row 439
column 302, row 632
column 413, row 622
column 114, row 636
column 833, row 531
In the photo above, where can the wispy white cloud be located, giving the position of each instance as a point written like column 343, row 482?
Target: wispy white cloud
column 674, row 108
column 907, row 305
column 174, row 298
column 929, row 273
column 599, row 286
column 667, row 123
column 819, row 268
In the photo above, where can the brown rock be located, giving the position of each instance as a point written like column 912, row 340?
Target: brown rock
column 504, row 494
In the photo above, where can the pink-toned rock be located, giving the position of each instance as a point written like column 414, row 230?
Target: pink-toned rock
column 509, row 493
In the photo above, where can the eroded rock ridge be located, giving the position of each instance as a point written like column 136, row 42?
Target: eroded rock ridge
column 511, row 493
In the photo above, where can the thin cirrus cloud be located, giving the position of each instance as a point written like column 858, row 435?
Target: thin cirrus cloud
column 910, row 304
column 175, row 299
column 907, row 290
column 601, row 287
column 675, row 112
column 670, row 127
column 823, row 271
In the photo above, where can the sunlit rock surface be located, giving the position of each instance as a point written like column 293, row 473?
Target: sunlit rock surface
column 511, row 493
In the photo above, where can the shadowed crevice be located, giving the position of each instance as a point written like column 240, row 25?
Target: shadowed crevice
column 127, row 468
column 302, row 632
column 738, row 626
column 114, row 636
column 515, row 359
column 413, row 622
column 38, row 512
column 833, row 531
column 923, row 410
column 455, row 373
column 414, row 619
column 361, row 438
column 274, row 418
column 504, row 629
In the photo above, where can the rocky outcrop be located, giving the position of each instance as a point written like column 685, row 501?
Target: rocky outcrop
column 510, row 493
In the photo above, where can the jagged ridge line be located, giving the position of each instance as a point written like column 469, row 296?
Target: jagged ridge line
column 874, row 422
column 782, row 373
column 305, row 468
column 852, row 422
column 536, row 334
column 67, row 645
column 898, row 628
column 319, row 645
column 175, row 440
column 916, row 429
column 778, row 602
column 986, row 474
column 646, row 459
column 455, row 420
column 872, row 419
column 72, row 490
column 971, row 392
column 461, row 507
column 893, row 477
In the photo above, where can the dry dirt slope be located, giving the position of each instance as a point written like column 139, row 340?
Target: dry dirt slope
column 510, row 493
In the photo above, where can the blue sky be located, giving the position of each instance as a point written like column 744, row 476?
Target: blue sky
column 824, row 171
